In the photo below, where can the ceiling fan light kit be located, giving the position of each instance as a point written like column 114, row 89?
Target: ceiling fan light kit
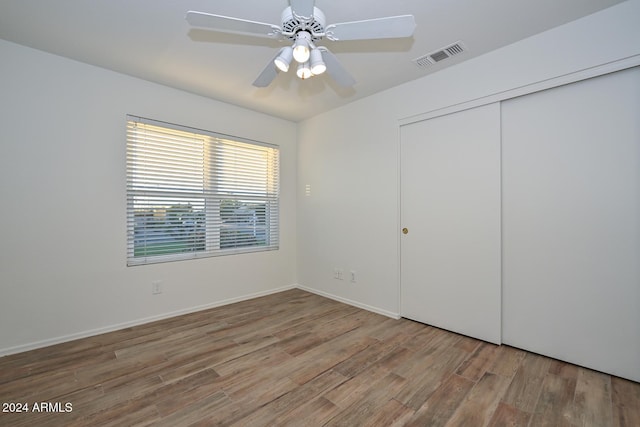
column 304, row 71
column 284, row 59
column 317, row 64
column 305, row 25
column 301, row 47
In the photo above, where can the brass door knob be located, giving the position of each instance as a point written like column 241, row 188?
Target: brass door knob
column 405, row 230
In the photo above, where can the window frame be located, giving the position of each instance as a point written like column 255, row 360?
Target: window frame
column 258, row 194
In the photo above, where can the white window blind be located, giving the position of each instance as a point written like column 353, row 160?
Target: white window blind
column 194, row 193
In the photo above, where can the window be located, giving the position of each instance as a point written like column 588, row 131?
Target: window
column 194, row 193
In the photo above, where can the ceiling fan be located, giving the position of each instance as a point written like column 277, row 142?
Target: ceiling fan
column 305, row 25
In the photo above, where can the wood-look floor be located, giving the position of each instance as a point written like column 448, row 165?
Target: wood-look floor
column 296, row 358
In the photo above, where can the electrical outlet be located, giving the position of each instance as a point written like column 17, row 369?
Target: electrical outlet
column 353, row 276
column 156, row 287
column 340, row 274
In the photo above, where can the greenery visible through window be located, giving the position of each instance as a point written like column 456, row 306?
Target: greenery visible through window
column 193, row 193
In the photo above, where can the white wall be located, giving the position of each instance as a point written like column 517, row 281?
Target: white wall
column 350, row 155
column 63, row 267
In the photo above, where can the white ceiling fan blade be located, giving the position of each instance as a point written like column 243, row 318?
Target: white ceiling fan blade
column 335, row 69
column 303, row 8
column 380, row 28
column 269, row 73
column 232, row 25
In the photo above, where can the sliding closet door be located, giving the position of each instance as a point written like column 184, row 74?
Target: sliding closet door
column 450, row 203
column 571, row 223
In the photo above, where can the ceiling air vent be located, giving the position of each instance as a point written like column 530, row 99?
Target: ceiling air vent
column 440, row 54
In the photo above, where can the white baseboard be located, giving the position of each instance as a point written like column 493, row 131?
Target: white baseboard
column 350, row 302
column 111, row 328
column 92, row 332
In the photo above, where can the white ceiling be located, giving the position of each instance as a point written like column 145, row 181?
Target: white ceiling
column 150, row 39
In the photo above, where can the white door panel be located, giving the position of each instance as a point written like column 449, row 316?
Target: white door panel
column 450, row 204
column 571, row 223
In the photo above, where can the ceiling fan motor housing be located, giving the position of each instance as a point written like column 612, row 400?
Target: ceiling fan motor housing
column 314, row 25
